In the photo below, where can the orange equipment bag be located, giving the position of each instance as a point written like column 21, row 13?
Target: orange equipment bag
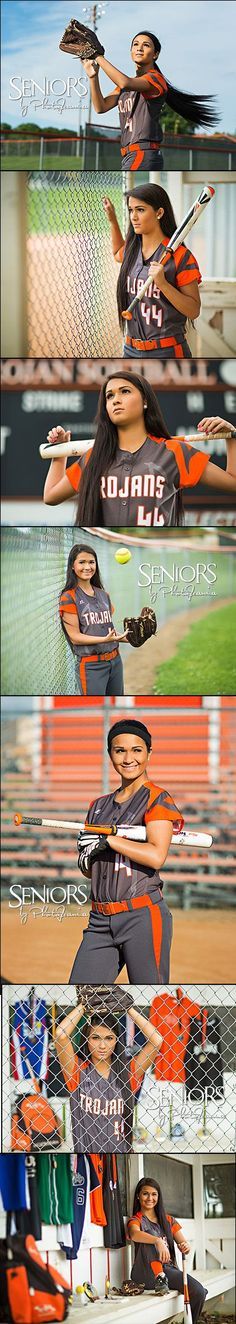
column 34, row 1125
column 30, row 1291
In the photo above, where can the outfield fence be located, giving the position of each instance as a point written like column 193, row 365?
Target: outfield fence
column 97, row 147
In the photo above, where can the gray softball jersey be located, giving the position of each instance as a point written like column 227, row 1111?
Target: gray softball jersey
column 114, row 877
column 97, row 1109
column 146, row 1225
column 141, row 489
column 155, row 321
column 140, row 111
column 94, row 617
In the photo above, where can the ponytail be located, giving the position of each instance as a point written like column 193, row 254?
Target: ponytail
column 198, row 109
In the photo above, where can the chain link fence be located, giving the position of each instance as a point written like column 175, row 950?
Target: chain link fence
column 36, row 656
column 83, row 1073
column 71, row 273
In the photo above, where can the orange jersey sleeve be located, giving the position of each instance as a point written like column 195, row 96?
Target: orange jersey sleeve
column 75, row 471
column 175, row 1227
column 136, row 1218
column 191, row 463
column 161, row 806
column 74, row 475
column 156, row 84
column 67, row 603
column 186, row 267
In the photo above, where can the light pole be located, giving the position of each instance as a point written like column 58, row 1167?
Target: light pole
column 92, row 13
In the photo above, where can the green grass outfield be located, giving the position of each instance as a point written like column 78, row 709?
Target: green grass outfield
column 49, row 163
column 208, row 653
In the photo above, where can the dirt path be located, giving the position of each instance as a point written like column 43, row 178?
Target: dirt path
column 42, row 951
column 140, row 666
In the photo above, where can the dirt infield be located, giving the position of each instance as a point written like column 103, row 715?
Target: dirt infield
column 43, row 949
column 140, row 668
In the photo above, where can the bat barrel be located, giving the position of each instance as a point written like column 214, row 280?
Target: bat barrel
column 48, row 451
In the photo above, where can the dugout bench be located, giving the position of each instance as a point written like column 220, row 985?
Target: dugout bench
column 150, row 1308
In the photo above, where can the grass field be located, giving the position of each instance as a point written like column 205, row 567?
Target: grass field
column 209, row 653
column 32, row 162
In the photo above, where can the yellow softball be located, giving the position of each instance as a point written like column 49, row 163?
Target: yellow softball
column 122, row 555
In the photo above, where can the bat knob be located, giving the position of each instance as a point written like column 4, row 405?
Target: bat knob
column 17, row 819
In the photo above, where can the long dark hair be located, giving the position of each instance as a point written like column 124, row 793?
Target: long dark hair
column 118, row 1063
column 198, row 109
column 89, row 505
column 156, row 197
column 71, row 577
column 159, row 1210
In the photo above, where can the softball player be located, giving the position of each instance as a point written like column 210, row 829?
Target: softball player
column 141, row 483
column 129, row 920
column 158, row 324
column 154, row 1233
column 102, row 1085
column 86, row 618
column 140, row 101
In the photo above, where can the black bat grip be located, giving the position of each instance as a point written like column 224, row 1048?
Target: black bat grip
column 21, row 818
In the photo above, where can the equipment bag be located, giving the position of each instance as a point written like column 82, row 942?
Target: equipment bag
column 34, row 1125
column 29, row 1291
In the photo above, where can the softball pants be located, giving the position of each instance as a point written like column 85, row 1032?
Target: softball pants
column 135, row 933
column 97, row 675
column 147, row 1267
column 141, row 158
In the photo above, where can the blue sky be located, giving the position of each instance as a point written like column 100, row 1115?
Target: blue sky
column 197, row 38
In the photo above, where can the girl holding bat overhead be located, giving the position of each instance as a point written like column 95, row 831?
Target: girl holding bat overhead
column 86, row 618
column 158, row 322
column 154, row 1234
column 140, row 100
column 135, row 473
column 129, row 920
column 101, row 1083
